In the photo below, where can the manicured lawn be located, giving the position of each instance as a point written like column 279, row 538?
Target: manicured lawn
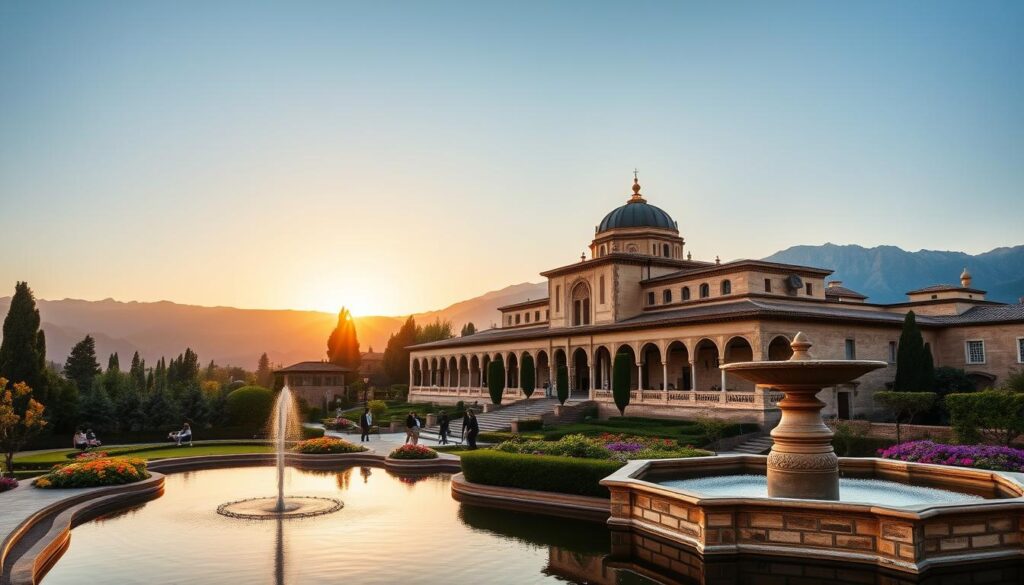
column 684, row 432
column 399, row 410
column 46, row 460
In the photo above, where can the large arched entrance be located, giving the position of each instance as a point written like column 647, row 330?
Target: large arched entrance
column 678, row 358
column 779, row 349
column 512, row 371
column 737, row 349
column 580, row 371
column 543, row 367
column 603, row 368
column 650, row 360
column 634, row 380
column 417, row 375
column 474, row 372
column 485, row 367
column 463, row 371
column 453, row 372
column 707, row 376
column 434, row 371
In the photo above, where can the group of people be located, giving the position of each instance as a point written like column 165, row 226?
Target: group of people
column 470, row 428
column 85, row 440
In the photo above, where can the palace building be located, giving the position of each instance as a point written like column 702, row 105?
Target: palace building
column 641, row 293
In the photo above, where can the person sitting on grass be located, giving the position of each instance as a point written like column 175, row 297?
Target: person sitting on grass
column 80, row 441
column 91, row 439
column 182, row 436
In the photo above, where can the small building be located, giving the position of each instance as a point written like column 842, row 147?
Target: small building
column 371, row 365
column 315, row 382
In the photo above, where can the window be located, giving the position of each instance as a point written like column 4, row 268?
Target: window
column 527, row 316
column 705, row 291
column 809, row 287
column 654, row 249
column 517, row 318
column 665, row 250
column 536, row 315
column 1020, row 350
column 650, row 298
column 975, row 350
column 581, row 304
column 666, row 296
column 601, row 287
column 547, row 314
column 726, row 287
column 510, row 319
column 601, row 253
column 851, row 349
column 558, row 298
column 892, row 352
column 686, row 293
column 767, row 285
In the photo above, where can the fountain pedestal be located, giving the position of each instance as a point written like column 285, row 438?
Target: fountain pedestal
column 802, row 463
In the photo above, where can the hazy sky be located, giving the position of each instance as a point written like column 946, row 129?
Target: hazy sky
column 399, row 156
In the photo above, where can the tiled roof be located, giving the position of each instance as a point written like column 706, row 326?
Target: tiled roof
column 314, row 367
column 743, row 309
column 842, row 291
column 729, row 266
column 944, row 288
column 528, row 303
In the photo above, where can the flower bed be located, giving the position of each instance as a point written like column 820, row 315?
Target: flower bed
column 89, row 455
column 339, row 424
column 7, row 483
column 94, row 473
column 607, row 446
column 413, row 452
column 326, row 445
column 976, row 456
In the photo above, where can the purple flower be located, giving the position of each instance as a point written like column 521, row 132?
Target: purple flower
column 620, row 447
column 991, row 457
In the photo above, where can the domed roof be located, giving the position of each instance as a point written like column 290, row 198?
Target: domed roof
column 637, row 213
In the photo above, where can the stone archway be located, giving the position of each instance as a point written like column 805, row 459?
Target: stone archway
column 678, row 358
column 634, row 380
column 707, row 375
column 779, row 349
column 512, row 371
column 580, row 379
column 603, row 368
column 474, row 372
column 650, row 360
column 737, row 349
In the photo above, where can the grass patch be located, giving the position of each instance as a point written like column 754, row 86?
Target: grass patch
column 148, row 452
column 683, row 432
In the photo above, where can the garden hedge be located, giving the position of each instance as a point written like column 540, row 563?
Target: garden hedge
column 250, row 406
column 567, row 475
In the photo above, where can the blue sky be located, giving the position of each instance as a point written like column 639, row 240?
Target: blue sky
column 399, row 156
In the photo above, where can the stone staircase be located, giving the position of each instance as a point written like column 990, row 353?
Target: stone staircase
column 756, row 446
column 499, row 420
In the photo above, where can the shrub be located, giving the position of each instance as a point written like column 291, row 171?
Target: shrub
column 95, row 473
column 527, row 376
column 378, row 408
column 977, row 456
column 562, row 384
column 249, row 406
column 905, row 405
column 495, row 381
column 567, row 475
column 311, row 432
column 567, row 446
column 326, row 445
column 991, row 416
column 338, row 424
column 399, row 392
column 413, row 452
column 530, row 424
column 7, row 483
column 1014, row 382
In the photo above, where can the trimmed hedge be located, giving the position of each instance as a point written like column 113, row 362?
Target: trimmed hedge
column 546, row 473
column 249, row 406
column 530, row 424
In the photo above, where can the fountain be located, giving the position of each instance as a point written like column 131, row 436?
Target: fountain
column 283, row 425
column 803, row 501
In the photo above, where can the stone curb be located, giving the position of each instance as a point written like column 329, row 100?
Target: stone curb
column 553, row 503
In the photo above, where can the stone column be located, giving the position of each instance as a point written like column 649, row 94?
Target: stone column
column 639, row 376
column 590, row 372
column 664, row 376
column 693, row 375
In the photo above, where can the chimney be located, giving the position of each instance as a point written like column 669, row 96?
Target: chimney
column 835, row 283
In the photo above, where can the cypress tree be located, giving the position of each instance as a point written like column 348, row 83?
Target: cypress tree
column 23, row 349
column 621, row 371
column 910, row 360
column 496, row 381
column 264, row 375
column 113, row 363
column 137, row 373
column 343, row 343
column 527, row 376
column 468, row 329
column 396, row 354
column 562, row 384
column 81, row 366
column 928, row 374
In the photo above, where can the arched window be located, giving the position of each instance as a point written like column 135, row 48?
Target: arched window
column 581, row 304
column 705, row 291
column 686, row 293
column 517, row 318
column 601, row 253
column 601, row 288
column 666, row 296
column 650, row 298
column 726, row 287
column 665, row 250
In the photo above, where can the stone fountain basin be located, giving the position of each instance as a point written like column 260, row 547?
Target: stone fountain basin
column 908, row 538
column 811, row 372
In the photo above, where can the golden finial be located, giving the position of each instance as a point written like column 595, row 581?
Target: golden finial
column 637, row 197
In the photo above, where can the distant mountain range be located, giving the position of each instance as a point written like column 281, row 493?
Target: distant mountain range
column 886, row 273
column 238, row 336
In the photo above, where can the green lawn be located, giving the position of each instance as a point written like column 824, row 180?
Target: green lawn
column 684, row 432
column 48, row 459
column 399, row 410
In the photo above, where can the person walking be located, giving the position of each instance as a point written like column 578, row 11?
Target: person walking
column 410, row 423
column 473, row 430
column 465, row 424
column 442, row 434
column 416, row 426
column 365, row 422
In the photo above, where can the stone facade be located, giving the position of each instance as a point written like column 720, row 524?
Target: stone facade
column 680, row 318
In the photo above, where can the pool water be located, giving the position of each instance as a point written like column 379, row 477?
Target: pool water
column 852, row 490
column 391, row 530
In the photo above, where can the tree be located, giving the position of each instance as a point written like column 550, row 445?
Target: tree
column 137, row 373
column 621, row 370
column 264, row 375
column 194, row 406
column 496, row 381
column 81, row 366
column 905, row 405
column 23, row 349
column 1014, row 382
column 97, row 410
column 468, row 329
column 161, row 411
column 396, row 354
column 527, row 375
column 343, row 344
column 436, row 331
column 21, row 418
column 113, row 363
column 562, row 384
column 912, row 371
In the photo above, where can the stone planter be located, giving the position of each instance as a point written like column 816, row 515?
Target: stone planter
column 431, row 420
column 396, row 427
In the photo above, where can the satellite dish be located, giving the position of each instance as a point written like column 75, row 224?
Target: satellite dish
column 794, row 282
